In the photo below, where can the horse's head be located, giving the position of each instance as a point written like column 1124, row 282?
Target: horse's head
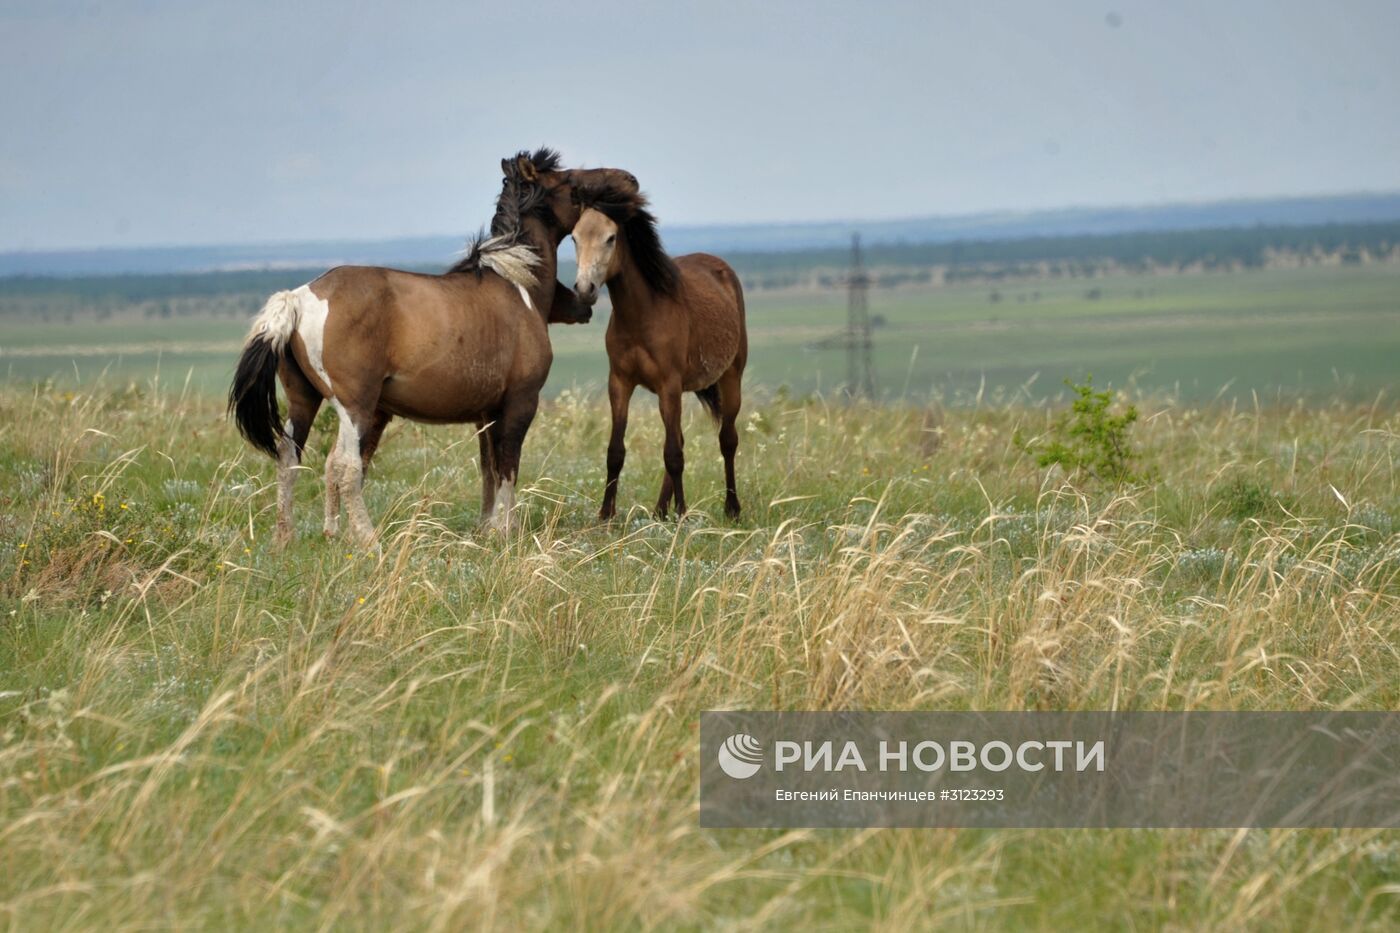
column 599, row 259
column 539, row 174
column 582, row 180
column 614, row 227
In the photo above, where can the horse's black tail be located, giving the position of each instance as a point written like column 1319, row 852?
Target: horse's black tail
column 710, row 399
column 252, row 398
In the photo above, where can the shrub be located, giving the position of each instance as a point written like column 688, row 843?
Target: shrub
column 1244, row 497
column 1089, row 438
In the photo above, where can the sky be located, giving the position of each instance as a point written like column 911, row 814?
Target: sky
column 175, row 122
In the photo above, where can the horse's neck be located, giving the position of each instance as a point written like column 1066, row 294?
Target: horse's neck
column 540, row 238
column 628, row 291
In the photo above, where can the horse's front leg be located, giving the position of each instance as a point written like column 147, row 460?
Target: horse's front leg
column 674, row 452
column 620, row 391
column 507, row 439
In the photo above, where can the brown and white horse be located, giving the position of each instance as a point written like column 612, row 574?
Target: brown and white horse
column 470, row 345
column 677, row 326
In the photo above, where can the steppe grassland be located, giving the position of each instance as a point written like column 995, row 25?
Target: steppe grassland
column 201, row 730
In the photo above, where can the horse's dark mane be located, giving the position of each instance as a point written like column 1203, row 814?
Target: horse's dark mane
column 545, row 159
column 520, row 199
column 629, row 211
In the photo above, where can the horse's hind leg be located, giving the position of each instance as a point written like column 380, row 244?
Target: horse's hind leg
column 369, row 442
column 488, row 471
column 303, row 401
column 729, row 401
column 354, row 497
column 332, row 525
column 345, row 471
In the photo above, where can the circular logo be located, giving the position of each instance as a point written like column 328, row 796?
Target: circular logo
column 741, row 756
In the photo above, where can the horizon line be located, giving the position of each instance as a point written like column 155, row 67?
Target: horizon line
column 734, row 225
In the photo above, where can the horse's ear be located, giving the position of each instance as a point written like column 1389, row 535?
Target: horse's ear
column 505, row 166
column 527, row 168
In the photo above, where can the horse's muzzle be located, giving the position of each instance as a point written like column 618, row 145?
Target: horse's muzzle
column 587, row 294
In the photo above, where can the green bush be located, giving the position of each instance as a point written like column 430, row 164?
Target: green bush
column 1245, row 497
column 1088, row 438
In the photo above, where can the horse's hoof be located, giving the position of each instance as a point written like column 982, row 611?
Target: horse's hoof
column 731, row 509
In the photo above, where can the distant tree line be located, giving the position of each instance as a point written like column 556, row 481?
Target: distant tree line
column 1073, row 256
column 128, row 289
column 240, row 292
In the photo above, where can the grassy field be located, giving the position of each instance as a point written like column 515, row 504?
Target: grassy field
column 197, row 730
column 1317, row 331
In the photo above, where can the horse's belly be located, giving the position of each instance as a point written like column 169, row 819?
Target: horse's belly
column 466, row 395
column 708, row 361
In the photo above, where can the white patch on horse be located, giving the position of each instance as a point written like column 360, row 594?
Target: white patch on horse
column 313, row 311
column 525, row 297
column 348, row 440
column 504, row 506
column 348, row 473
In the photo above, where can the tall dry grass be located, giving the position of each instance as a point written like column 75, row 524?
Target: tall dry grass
column 463, row 731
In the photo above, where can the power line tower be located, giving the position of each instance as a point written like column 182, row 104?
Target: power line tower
column 860, row 372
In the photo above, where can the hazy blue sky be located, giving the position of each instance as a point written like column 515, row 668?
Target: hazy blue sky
column 164, row 122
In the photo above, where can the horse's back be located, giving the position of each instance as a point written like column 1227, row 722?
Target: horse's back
column 704, row 269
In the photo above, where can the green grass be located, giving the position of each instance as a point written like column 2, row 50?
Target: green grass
column 1316, row 332
column 1306, row 331
column 200, row 730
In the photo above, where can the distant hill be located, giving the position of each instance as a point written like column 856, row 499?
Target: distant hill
column 755, row 238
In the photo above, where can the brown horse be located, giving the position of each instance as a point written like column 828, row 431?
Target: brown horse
column 677, row 326
column 470, row 345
